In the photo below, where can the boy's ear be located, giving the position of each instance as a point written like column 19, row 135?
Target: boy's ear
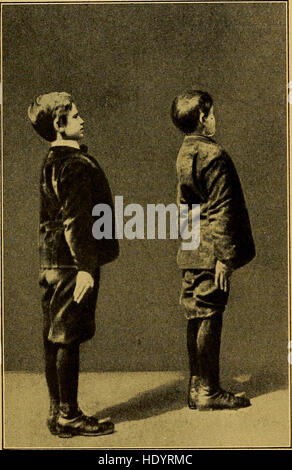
column 57, row 125
column 202, row 118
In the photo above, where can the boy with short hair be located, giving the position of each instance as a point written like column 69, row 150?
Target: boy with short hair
column 71, row 184
column 207, row 176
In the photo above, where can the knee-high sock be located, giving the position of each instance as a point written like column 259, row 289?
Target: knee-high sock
column 208, row 349
column 51, row 371
column 68, row 372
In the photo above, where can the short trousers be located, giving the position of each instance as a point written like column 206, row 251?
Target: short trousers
column 199, row 295
column 64, row 321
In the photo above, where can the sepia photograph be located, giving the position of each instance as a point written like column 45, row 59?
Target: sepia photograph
column 145, row 227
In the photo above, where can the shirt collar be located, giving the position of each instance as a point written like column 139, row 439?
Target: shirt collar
column 65, row 143
column 205, row 138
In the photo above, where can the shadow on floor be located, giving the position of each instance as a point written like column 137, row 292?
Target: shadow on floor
column 260, row 383
column 173, row 396
column 154, row 402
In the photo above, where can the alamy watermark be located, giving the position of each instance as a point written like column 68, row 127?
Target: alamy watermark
column 183, row 222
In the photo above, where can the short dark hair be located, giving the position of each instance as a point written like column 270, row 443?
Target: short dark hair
column 44, row 110
column 186, row 108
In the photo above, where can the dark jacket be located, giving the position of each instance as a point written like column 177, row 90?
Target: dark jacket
column 207, row 176
column 72, row 183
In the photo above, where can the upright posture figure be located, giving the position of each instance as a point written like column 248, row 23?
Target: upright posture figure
column 207, row 176
column 72, row 183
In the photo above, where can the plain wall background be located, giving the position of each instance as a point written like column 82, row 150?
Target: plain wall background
column 124, row 64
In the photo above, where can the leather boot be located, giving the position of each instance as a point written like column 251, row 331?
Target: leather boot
column 82, row 425
column 220, row 400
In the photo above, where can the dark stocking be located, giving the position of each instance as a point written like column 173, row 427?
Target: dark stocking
column 68, row 371
column 203, row 342
column 51, row 371
column 208, row 344
column 192, row 332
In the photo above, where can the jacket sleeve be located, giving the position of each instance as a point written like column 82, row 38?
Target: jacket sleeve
column 76, row 193
column 227, row 214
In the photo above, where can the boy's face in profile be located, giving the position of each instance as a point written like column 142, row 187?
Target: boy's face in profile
column 210, row 123
column 74, row 128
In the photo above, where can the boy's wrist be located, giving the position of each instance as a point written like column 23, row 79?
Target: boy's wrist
column 227, row 267
column 85, row 272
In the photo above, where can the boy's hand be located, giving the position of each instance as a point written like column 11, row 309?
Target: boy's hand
column 222, row 276
column 84, row 283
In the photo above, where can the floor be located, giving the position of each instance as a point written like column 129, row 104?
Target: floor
column 149, row 410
